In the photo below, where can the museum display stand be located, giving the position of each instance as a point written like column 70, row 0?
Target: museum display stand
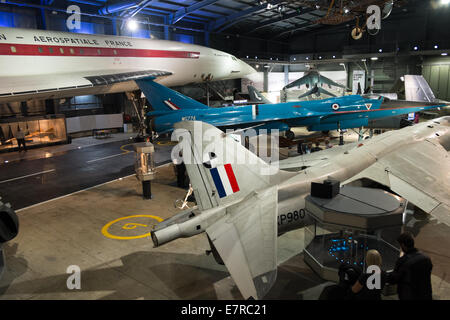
column 349, row 224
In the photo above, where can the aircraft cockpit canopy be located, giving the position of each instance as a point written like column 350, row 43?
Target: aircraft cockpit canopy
column 375, row 97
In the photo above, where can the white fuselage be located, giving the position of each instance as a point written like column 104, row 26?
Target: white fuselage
column 34, row 53
column 347, row 164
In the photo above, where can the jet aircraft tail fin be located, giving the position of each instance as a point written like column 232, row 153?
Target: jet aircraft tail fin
column 256, row 96
column 162, row 98
column 309, row 92
column 221, row 169
column 418, row 89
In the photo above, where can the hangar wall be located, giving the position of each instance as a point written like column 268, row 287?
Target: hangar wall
column 437, row 72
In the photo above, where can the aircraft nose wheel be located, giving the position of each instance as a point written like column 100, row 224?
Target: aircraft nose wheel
column 290, row 135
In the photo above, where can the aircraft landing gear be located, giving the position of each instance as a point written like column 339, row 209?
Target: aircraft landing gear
column 341, row 134
column 290, row 135
column 361, row 134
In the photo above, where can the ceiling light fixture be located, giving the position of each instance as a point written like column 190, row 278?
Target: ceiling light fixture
column 132, row 25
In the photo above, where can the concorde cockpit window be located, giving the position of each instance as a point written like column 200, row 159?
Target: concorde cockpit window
column 233, row 58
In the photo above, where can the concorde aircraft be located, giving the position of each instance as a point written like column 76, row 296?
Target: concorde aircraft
column 353, row 111
column 38, row 64
column 241, row 200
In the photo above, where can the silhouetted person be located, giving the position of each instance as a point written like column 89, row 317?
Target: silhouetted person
column 348, row 275
column 316, row 148
column 181, row 175
column 412, row 272
column 301, row 147
column 20, row 136
column 361, row 288
column 308, row 148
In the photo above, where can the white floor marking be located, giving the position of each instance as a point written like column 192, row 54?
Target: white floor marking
column 29, row 175
column 114, row 155
column 98, row 185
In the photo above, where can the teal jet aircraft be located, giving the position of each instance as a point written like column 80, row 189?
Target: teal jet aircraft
column 355, row 111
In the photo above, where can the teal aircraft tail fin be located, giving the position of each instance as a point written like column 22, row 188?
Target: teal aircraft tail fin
column 162, row 98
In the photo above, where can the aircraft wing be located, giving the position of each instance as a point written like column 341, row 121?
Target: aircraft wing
column 246, row 239
column 389, row 109
column 312, row 159
column 331, row 82
column 420, row 173
column 66, row 85
column 299, row 82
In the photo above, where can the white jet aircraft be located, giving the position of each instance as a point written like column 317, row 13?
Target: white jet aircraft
column 37, row 64
column 243, row 209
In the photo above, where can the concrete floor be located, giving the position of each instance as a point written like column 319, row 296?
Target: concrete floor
column 68, row 231
column 77, row 143
column 30, row 181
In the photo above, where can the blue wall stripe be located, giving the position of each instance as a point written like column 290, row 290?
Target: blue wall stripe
column 219, row 186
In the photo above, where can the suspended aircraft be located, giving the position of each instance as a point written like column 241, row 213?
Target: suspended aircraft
column 353, row 111
column 244, row 203
column 38, row 64
column 314, row 80
column 342, row 11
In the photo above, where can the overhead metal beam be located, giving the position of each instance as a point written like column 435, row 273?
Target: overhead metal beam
column 228, row 21
column 116, row 7
column 139, row 7
column 88, row 2
column 280, row 19
column 181, row 13
column 84, row 13
column 296, row 28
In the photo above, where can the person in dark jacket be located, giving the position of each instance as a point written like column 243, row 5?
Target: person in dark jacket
column 348, row 275
column 20, row 136
column 412, row 272
column 316, row 148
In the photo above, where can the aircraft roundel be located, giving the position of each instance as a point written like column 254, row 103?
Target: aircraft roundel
column 335, row 106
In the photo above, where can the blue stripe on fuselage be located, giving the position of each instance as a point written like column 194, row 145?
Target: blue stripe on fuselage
column 218, row 182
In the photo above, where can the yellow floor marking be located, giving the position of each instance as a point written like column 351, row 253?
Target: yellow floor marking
column 125, row 150
column 129, row 226
column 167, row 143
